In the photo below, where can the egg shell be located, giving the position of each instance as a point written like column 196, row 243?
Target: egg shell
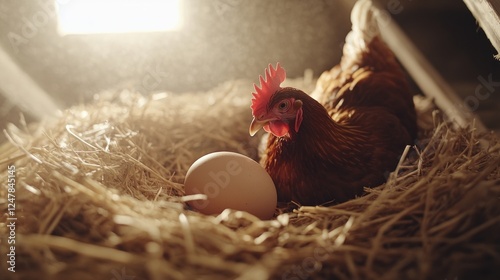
column 231, row 180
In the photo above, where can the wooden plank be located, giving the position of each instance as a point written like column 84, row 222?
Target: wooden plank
column 424, row 74
column 20, row 89
column 486, row 13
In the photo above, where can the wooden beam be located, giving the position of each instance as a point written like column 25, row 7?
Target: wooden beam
column 424, row 74
column 21, row 90
column 486, row 14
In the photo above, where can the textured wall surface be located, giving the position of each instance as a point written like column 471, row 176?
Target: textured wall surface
column 228, row 39
column 220, row 40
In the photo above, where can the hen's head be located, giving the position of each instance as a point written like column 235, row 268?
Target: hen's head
column 274, row 108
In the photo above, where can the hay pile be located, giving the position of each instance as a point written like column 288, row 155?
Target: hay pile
column 99, row 195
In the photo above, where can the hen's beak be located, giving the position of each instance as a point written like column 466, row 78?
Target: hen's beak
column 256, row 125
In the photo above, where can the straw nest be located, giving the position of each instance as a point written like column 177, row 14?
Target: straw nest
column 99, row 195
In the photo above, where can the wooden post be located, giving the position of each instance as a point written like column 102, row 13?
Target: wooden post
column 486, row 14
column 21, row 90
column 424, row 74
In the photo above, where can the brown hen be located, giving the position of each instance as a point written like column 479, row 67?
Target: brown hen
column 351, row 135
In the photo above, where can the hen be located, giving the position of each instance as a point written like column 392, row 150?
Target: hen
column 352, row 135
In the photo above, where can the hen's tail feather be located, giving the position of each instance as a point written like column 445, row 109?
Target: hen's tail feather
column 363, row 19
column 364, row 28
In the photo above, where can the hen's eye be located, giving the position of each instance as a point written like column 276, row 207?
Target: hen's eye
column 283, row 105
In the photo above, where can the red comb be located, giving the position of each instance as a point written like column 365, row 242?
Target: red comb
column 268, row 86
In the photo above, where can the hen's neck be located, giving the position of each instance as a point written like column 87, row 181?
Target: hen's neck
column 320, row 135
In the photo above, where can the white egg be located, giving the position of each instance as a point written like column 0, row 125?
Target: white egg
column 231, row 181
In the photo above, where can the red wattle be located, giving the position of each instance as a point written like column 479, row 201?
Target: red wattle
column 278, row 128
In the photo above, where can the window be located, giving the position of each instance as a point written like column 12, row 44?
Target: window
column 117, row 16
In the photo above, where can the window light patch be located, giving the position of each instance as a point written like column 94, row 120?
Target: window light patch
column 117, row 16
